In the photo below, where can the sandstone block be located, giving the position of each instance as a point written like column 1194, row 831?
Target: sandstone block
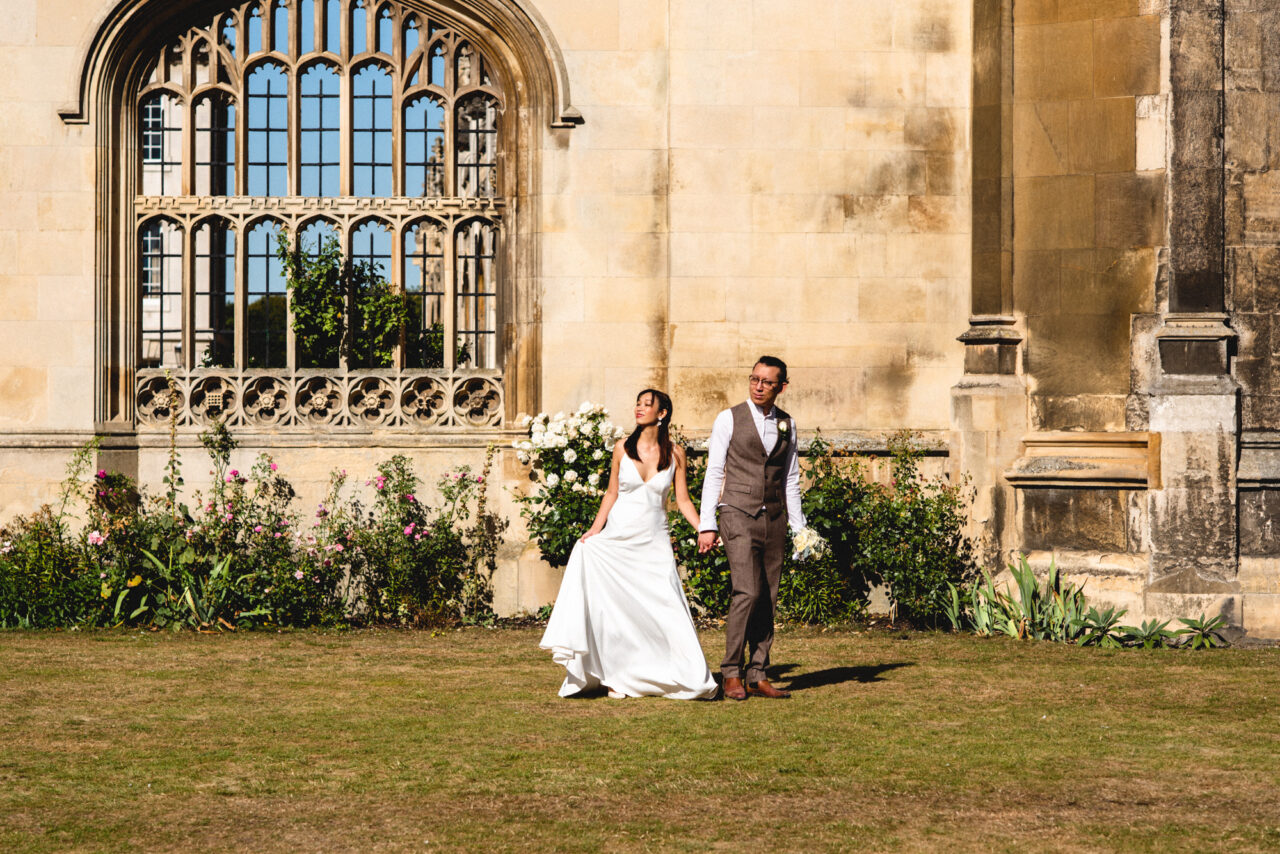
column 1126, row 55
column 1042, row 133
column 1053, row 62
column 1102, row 135
column 1053, row 213
column 698, row 298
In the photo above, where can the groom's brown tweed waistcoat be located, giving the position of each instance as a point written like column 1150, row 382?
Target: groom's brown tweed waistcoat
column 753, row 477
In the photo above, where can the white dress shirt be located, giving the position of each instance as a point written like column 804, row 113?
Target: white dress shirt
column 718, row 448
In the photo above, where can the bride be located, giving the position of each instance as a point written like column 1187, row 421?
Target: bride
column 621, row 620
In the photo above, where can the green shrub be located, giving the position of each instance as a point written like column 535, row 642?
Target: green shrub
column 570, row 458
column 237, row 557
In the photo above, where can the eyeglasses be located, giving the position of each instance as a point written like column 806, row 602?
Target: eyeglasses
column 762, row 382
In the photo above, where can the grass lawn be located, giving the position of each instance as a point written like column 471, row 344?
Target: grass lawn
column 373, row 741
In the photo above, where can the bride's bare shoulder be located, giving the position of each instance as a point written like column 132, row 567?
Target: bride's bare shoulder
column 678, row 452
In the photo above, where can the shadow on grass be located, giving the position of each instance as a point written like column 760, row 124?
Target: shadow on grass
column 834, row 675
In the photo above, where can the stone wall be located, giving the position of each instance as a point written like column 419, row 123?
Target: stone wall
column 773, row 176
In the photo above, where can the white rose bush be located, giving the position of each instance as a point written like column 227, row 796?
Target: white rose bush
column 568, row 458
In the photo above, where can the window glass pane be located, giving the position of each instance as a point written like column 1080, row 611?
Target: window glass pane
column 476, row 312
column 333, row 26
column 424, row 288
column 255, row 30
column 371, row 244
column 280, row 28
column 468, row 72
column 161, row 145
column 307, row 23
column 410, row 36
column 265, row 315
column 424, row 148
column 371, row 132
column 268, row 136
column 215, row 146
column 316, row 236
column 318, row 347
column 160, row 289
column 371, row 250
column 386, row 40
column 436, row 77
column 200, row 62
column 321, row 137
column 215, row 296
column 477, row 147
column 228, row 33
column 359, row 21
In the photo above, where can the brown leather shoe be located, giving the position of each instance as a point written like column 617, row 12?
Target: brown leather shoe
column 764, row 689
column 734, row 689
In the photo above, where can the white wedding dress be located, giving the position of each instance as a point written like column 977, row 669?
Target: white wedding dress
column 621, row 618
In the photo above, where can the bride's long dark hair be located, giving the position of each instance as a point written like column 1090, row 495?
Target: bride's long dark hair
column 664, row 432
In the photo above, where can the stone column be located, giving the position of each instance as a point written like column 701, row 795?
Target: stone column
column 989, row 404
column 1193, row 402
column 988, row 420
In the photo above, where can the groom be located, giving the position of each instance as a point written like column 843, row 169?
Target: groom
column 753, row 478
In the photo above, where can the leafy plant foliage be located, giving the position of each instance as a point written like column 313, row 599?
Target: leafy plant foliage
column 341, row 308
column 1055, row 610
column 241, row 556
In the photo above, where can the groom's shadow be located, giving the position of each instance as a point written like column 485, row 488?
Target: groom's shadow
column 833, row 675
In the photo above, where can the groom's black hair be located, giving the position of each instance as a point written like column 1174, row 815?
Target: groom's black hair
column 632, row 445
column 774, row 362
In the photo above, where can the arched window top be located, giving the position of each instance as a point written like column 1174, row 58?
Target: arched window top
column 529, row 41
column 398, row 175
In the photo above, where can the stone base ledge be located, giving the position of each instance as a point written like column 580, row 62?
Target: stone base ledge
column 1098, row 460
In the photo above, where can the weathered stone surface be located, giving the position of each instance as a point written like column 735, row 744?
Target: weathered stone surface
column 1074, row 518
column 1260, row 522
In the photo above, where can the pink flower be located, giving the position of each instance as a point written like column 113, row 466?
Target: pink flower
column 274, row 466
column 257, row 529
column 479, row 478
column 408, row 496
column 96, row 539
column 298, row 575
column 337, row 547
column 101, row 474
column 276, row 535
column 408, row 529
column 227, row 518
column 235, row 473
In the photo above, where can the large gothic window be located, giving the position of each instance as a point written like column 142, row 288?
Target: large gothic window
column 353, row 121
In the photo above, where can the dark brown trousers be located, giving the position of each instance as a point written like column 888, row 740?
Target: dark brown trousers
column 754, row 546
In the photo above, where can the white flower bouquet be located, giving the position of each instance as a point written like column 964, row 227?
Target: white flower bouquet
column 808, row 544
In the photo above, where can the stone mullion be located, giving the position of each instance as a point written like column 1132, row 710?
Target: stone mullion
column 295, row 30
column 396, row 275
column 188, row 119
column 397, row 113
column 187, row 313
column 450, row 253
column 290, row 341
column 346, row 126
column 449, row 88
column 295, row 132
column 242, row 126
column 242, row 284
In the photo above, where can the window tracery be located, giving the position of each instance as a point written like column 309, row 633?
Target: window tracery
column 353, row 119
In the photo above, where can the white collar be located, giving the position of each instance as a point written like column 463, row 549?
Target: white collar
column 773, row 411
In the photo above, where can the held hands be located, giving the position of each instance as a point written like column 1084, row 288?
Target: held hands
column 707, row 540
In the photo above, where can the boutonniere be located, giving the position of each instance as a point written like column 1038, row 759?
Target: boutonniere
column 783, row 427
